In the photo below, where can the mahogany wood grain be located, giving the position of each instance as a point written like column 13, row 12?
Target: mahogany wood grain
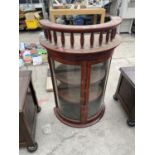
column 82, row 96
column 79, row 49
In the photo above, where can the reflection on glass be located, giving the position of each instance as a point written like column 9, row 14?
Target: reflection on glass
column 68, row 79
column 97, row 82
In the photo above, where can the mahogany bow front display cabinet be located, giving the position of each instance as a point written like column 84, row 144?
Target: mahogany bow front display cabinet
column 79, row 59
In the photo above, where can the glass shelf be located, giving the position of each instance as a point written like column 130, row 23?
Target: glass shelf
column 72, row 95
column 71, row 74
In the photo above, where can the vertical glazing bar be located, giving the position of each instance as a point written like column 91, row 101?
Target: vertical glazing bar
column 85, row 82
column 82, row 98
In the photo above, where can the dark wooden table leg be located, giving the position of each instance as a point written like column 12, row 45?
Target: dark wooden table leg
column 115, row 95
column 34, row 97
column 38, row 109
column 131, row 123
column 32, row 148
column 131, row 119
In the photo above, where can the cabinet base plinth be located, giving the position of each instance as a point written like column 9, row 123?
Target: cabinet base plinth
column 77, row 124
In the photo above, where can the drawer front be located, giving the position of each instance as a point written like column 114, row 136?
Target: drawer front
column 127, row 94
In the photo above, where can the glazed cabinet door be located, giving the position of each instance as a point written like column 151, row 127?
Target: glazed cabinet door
column 68, row 84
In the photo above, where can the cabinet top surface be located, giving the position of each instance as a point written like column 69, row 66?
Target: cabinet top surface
column 129, row 73
column 24, row 80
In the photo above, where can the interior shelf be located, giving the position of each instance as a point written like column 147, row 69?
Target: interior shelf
column 72, row 95
column 72, row 75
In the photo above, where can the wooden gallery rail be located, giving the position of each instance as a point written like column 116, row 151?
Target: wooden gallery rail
column 79, row 59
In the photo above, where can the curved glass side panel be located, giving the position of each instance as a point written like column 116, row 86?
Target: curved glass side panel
column 98, row 79
column 68, row 82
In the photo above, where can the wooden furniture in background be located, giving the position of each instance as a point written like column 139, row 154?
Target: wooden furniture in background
column 125, row 92
column 28, row 108
column 85, row 11
column 79, row 66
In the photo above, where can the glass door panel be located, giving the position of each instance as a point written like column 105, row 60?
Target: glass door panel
column 68, row 82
